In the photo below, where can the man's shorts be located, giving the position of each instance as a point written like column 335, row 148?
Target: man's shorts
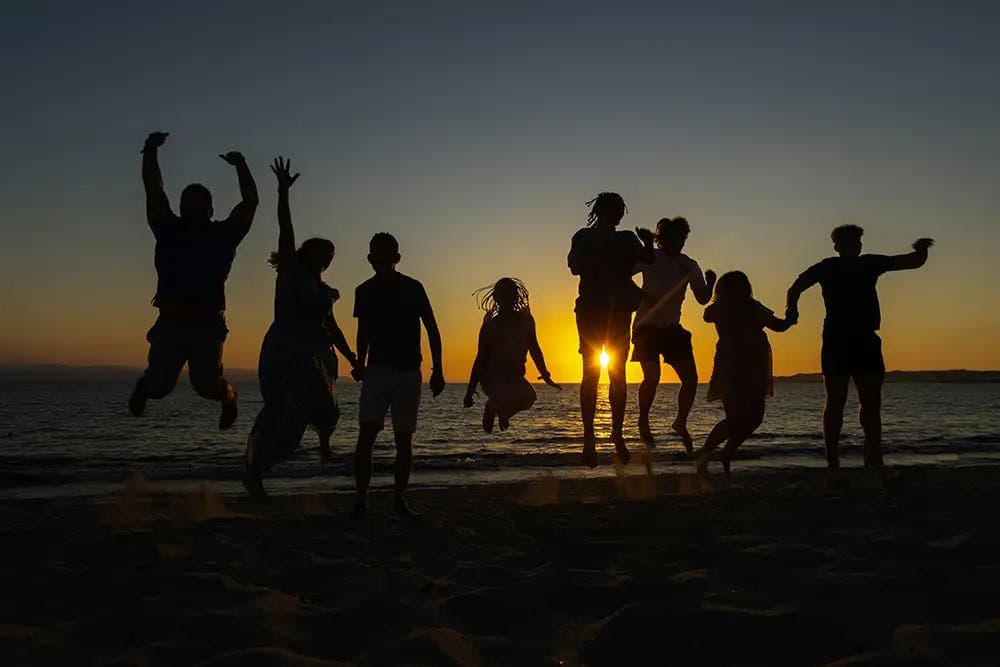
column 386, row 390
column 173, row 343
column 601, row 328
column 673, row 343
column 852, row 353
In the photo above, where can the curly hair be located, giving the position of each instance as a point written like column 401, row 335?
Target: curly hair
column 487, row 299
column 304, row 252
column 601, row 202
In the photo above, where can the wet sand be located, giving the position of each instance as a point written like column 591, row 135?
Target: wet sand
column 772, row 568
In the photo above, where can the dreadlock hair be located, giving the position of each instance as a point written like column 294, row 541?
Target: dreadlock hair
column 601, row 203
column 487, row 299
column 304, row 253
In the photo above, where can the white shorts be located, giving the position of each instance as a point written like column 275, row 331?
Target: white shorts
column 387, row 390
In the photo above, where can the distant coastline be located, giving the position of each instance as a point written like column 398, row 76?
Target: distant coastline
column 110, row 373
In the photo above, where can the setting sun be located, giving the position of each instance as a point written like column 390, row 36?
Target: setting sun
column 604, row 359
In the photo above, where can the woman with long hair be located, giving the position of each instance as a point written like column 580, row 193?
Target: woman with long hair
column 297, row 367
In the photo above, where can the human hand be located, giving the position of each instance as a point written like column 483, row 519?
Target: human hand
column 792, row 315
column 358, row 373
column 234, row 158
column 710, row 278
column 923, row 244
column 547, row 379
column 280, row 169
column 437, row 382
column 645, row 235
column 154, row 141
column 469, row 399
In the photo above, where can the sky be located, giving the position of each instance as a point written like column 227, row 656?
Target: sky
column 476, row 132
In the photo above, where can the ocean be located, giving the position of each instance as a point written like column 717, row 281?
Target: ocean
column 78, row 439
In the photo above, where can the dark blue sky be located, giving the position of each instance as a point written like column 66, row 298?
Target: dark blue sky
column 475, row 134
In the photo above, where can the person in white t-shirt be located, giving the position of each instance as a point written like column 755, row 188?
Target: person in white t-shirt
column 657, row 330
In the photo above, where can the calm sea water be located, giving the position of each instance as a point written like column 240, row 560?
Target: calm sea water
column 79, row 440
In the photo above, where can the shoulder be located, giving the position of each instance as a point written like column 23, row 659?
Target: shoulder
column 364, row 288
column 410, row 284
column 688, row 263
column 582, row 234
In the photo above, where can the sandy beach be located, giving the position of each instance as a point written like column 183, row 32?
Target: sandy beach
column 772, row 568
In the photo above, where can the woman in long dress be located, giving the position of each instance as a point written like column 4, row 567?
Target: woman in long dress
column 297, row 368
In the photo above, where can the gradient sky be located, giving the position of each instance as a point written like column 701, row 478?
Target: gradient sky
column 475, row 135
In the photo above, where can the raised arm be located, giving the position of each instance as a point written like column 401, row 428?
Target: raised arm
column 535, row 350
column 242, row 214
column 286, row 233
column 157, row 204
column 911, row 260
column 647, row 255
column 702, row 285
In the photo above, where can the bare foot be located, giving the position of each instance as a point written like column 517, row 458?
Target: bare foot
column 620, row 449
column 360, row 508
column 137, row 401
column 645, row 434
column 590, row 451
column 489, row 418
column 230, row 408
column 252, row 483
column 401, row 509
column 504, row 422
column 681, row 429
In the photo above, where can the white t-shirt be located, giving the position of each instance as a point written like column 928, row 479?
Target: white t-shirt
column 667, row 279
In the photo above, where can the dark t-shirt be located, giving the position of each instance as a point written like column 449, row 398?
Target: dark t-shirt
column 606, row 261
column 849, row 291
column 390, row 308
column 192, row 264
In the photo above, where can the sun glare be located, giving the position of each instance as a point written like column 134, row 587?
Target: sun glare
column 604, row 359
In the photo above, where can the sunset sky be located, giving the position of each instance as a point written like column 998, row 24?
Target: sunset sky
column 475, row 135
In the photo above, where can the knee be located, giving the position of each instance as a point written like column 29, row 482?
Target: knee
column 835, row 403
column 208, row 385
column 158, row 386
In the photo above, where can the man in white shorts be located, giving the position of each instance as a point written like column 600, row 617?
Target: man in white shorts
column 657, row 330
column 390, row 307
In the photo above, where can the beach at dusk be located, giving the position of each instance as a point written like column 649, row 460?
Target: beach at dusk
column 567, row 333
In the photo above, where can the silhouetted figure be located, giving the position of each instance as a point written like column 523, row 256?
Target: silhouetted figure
column 390, row 308
column 851, row 347
column 604, row 258
column 297, row 367
column 657, row 331
column 193, row 258
column 742, row 377
column 505, row 340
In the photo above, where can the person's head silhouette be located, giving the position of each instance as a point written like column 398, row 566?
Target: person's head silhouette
column 606, row 209
column 315, row 256
column 505, row 296
column 847, row 240
column 196, row 203
column 383, row 253
column 733, row 287
column 671, row 234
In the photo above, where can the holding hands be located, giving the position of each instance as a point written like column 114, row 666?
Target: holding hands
column 281, row 170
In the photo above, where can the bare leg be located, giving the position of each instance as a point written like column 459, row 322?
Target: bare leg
column 720, row 432
column 489, row 416
column 869, row 386
column 647, row 392
column 617, row 394
column 404, row 464
column 833, row 420
column 363, row 466
column 748, row 423
column 588, row 406
column 688, row 374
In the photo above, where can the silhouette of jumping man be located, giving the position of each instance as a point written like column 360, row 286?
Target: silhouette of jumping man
column 605, row 258
column 506, row 338
column 192, row 258
column 657, row 331
column 742, row 376
column 390, row 307
column 297, row 368
column 851, row 347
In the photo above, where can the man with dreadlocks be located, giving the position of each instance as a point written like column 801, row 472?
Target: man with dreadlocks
column 506, row 338
column 604, row 258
